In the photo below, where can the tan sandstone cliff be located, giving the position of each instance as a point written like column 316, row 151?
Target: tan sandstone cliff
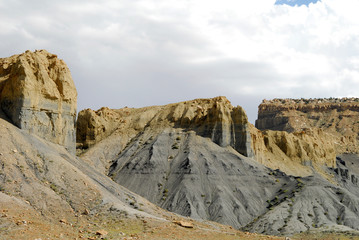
column 214, row 118
column 37, row 94
column 295, row 153
column 337, row 117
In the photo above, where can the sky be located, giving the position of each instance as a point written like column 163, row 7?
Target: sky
column 296, row 2
column 140, row 53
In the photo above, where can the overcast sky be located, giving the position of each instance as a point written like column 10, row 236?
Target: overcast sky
column 138, row 53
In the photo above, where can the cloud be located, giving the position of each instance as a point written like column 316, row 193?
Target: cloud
column 146, row 52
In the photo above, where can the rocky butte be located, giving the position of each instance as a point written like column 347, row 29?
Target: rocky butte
column 37, row 94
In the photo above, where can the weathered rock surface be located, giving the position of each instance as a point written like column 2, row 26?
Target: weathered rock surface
column 338, row 117
column 295, row 153
column 48, row 193
column 183, row 157
column 214, row 118
column 37, row 94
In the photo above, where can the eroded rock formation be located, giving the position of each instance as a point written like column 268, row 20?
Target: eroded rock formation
column 37, row 94
column 338, row 117
column 295, row 153
column 190, row 158
column 214, row 118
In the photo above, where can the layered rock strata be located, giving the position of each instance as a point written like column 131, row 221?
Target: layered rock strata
column 189, row 158
column 337, row 117
column 295, row 153
column 37, row 94
column 214, row 118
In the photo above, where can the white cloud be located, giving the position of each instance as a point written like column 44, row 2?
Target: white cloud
column 144, row 52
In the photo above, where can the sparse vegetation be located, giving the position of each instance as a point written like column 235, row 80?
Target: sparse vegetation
column 54, row 188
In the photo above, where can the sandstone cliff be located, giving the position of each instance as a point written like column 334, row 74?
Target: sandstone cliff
column 37, row 94
column 337, row 117
column 295, row 153
column 214, row 118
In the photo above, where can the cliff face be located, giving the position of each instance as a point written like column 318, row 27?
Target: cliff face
column 338, row 117
column 294, row 153
column 214, row 118
column 37, row 94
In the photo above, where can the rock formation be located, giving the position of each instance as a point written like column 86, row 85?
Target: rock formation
column 199, row 158
column 294, row 153
column 214, row 118
column 38, row 95
column 202, row 159
column 45, row 191
column 338, row 117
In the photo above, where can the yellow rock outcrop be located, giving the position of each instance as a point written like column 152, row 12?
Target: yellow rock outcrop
column 38, row 94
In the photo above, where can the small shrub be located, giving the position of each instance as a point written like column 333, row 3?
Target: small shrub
column 54, row 187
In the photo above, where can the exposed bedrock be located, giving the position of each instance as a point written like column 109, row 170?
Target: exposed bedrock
column 214, row 118
column 37, row 94
column 336, row 116
column 190, row 158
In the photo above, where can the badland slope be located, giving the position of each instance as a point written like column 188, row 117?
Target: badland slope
column 203, row 159
column 199, row 158
column 46, row 192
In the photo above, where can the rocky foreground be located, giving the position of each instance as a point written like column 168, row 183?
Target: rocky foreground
column 200, row 159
